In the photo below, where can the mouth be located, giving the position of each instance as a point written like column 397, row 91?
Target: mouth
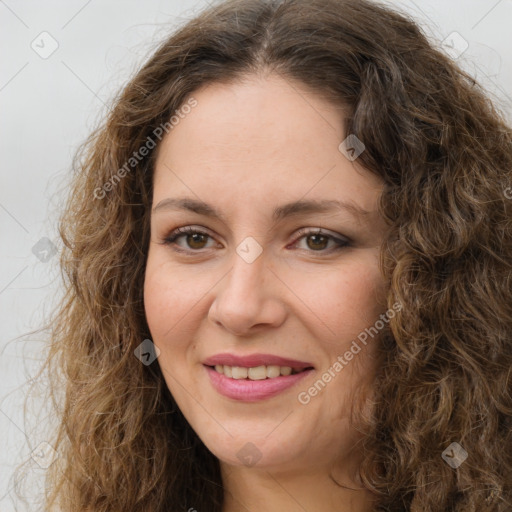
column 255, row 383
column 261, row 372
column 254, row 377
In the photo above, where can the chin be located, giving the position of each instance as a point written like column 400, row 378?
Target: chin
column 251, row 448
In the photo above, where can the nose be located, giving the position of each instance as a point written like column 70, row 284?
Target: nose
column 249, row 298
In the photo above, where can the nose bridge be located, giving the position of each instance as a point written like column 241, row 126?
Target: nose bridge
column 244, row 298
column 247, row 276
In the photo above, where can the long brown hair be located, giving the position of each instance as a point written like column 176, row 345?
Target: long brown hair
column 445, row 154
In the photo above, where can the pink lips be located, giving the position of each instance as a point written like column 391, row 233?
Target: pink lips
column 254, row 360
column 253, row 390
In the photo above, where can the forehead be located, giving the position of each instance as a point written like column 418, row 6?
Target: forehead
column 263, row 138
column 256, row 119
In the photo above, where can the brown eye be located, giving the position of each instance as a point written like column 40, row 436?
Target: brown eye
column 195, row 240
column 318, row 241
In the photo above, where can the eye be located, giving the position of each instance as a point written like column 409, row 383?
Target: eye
column 196, row 240
column 320, row 239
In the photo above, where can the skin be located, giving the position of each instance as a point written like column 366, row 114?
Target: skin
column 246, row 148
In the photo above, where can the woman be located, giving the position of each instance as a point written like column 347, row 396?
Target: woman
column 288, row 256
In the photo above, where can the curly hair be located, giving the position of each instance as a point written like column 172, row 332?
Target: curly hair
column 444, row 152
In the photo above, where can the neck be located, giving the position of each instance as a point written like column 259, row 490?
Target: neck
column 249, row 489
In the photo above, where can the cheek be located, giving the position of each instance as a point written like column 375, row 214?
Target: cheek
column 160, row 302
column 170, row 298
column 167, row 300
column 168, row 305
column 351, row 303
column 345, row 300
column 363, row 294
column 175, row 306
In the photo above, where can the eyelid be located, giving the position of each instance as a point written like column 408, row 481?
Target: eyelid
column 321, row 231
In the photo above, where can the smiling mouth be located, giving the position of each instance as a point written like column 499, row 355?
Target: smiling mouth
column 257, row 372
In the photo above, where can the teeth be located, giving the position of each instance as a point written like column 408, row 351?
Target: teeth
column 273, row 371
column 256, row 372
column 239, row 372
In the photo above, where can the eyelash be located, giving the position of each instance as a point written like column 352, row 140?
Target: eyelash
column 188, row 230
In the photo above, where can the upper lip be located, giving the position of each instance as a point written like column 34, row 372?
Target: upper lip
column 253, row 360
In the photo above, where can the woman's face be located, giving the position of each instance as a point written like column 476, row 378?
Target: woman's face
column 256, row 282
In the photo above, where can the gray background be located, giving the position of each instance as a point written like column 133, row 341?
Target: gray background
column 49, row 105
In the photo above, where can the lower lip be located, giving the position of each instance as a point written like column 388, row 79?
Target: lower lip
column 253, row 390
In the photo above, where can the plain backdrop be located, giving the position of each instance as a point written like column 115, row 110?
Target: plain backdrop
column 61, row 62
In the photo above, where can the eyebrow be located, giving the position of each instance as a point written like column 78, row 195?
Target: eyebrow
column 293, row 209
